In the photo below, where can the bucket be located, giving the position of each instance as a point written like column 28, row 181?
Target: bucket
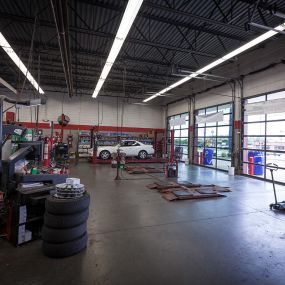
column 231, row 171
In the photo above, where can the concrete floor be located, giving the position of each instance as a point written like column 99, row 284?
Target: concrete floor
column 136, row 237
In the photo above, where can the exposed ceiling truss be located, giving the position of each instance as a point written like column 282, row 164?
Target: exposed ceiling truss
column 166, row 34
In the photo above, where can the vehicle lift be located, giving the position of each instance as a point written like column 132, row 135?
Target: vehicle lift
column 279, row 206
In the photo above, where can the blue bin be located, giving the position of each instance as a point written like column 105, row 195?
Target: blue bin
column 208, row 156
column 258, row 168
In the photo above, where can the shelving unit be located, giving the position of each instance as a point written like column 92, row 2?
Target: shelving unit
column 84, row 144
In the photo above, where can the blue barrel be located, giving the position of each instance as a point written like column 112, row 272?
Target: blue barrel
column 208, row 156
column 258, row 160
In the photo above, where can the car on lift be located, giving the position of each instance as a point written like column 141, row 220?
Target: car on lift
column 129, row 147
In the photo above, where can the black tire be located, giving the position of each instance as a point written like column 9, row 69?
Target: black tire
column 65, row 221
column 63, row 235
column 105, row 154
column 67, row 206
column 58, row 250
column 142, row 154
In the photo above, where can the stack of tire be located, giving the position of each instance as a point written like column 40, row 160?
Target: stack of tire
column 64, row 232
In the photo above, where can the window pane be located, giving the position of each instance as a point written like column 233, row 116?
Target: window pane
column 225, row 108
column 186, row 125
column 277, row 95
column 185, row 149
column 256, row 156
column 210, row 142
column 256, row 99
column 200, row 125
column 223, row 131
column 223, row 142
column 277, row 158
column 275, row 128
column 184, row 141
column 210, row 132
column 276, row 116
column 211, row 110
column 201, row 132
column 177, row 141
column 211, row 124
column 224, row 154
column 201, row 112
column 275, row 143
column 254, row 118
column 254, row 129
column 177, row 133
column 226, row 121
column 223, row 164
column 184, row 133
column 279, row 175
column 254, row 142
column 254, row 170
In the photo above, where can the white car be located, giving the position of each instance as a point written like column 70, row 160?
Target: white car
column 129, row 147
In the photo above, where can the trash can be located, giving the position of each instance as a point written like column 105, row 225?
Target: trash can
column 258, row 167
column 208, row 156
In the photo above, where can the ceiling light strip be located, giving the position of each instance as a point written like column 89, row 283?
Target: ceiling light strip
column 12, row 54
column 129, row 16
column 226, row 57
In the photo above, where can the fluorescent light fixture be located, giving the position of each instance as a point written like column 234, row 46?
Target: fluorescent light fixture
column 151, row 97
column 226, row 57
column 9, row 50
column 129, row 16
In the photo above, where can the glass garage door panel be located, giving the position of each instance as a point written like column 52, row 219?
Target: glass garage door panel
column 254, row 129
column 211, row 131
column 276, row 157
column 181, row 134
column 275, row 128
column 274, row 143
column 279, row 175
column 214, row 140
column 264, row 140
column 257, row 143
column 201, row 132
column 223, row 164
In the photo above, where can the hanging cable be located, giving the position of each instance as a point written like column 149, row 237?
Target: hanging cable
column 123, row 103
column 30, row 54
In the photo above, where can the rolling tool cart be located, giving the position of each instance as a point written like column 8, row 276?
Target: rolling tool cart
column 280, row 206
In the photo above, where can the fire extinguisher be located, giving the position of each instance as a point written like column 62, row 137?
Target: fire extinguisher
column 47, row 150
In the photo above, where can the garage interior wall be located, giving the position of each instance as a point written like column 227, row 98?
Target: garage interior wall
column 263, row 70
column 85, row 111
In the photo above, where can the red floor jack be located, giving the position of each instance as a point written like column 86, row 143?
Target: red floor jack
column 280, row 206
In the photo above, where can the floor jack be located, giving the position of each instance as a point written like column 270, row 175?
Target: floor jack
column 280, row 206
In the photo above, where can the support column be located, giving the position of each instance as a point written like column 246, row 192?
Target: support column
column 191, row 129
column 237, row 150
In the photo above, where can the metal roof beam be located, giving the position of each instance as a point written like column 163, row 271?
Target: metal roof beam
column 110, row 36
column 172, row 11
column 84, row 52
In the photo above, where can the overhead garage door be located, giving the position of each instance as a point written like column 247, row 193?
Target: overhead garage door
column 264, row 135
column 213, row 137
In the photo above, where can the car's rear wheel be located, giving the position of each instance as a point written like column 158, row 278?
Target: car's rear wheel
column 142, row 154
column 105, row 154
